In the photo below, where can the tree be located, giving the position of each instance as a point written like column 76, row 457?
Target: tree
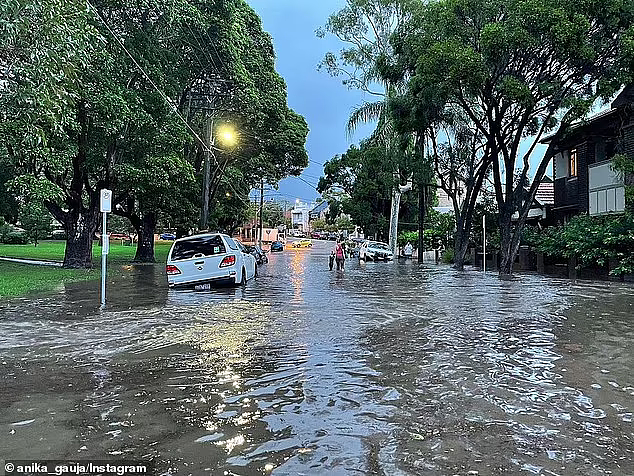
column 36, row 221
column 8, row 203
column 96, row 105
column 365, row 183
column 344, row 223
column 47, row 45
column 461, row 164
column 365, row 26
column 517, row 69
column 318, row 224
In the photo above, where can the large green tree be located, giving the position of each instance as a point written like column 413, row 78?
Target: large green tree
column 516, row 69
column 98, row 106
column 365, row 28
column 363, row 175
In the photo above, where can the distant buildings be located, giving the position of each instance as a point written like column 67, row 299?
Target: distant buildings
column 300, row 216
column 319, row 211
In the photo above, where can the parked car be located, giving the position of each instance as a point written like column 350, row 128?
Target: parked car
column 277, row 246
column 302, row 244
column 201, row 260
column 332, row 236
column 315, row 235
column 168, row 236
column 259, row 254
column 375, row 251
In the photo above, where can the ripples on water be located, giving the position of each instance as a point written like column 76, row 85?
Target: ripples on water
column 382, row 369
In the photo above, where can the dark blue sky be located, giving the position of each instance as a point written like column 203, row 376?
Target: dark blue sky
column 321, row 99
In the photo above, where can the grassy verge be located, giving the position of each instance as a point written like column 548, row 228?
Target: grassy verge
column 54, row 251
column 18, row 279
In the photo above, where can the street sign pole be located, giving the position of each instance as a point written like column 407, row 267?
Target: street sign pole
column 484, row 244
column 106, row 207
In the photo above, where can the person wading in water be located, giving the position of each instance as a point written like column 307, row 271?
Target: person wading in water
column 339, row 256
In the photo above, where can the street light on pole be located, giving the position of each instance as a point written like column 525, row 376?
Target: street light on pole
column 227, row 135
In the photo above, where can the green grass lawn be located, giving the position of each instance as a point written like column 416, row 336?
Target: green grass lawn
column 18, row 279
column 54, row 251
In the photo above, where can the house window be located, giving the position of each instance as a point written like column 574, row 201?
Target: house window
column 572, row 163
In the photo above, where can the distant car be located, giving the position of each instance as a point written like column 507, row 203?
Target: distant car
column 375, row 251
column 302, row 244
column 277, row 246
column 332, row 236
column 168, row 236
column 315, row 235
column 258, row 253
column 201, row 260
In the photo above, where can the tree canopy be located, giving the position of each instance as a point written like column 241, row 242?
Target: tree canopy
column 116, row 95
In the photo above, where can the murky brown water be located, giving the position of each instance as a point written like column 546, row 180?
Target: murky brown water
column 383, row 369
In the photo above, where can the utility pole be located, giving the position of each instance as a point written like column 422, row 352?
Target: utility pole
column 261, row 211
column 208, row 132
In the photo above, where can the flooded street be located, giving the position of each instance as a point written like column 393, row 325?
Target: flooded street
column 382, row 369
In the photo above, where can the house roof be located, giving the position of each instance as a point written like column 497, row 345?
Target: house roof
column 581, row 123
column 320, row 207
column 625, row 97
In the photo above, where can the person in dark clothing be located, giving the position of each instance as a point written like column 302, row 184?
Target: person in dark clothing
column 331, row 260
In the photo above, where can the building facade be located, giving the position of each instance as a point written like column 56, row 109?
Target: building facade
column 300, row 216
column 584, row 182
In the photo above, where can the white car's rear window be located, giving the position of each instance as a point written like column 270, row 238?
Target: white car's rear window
column 203, row 245
column 232, row 244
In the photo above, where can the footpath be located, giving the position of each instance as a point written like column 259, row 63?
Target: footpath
column 32, row 261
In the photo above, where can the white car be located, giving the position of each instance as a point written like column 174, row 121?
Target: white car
column 209, row 258
column 375, row 251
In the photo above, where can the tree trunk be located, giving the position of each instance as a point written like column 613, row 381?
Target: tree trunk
column 461, row 243
column 79, row 237
column 507, row 240
column 145, row 245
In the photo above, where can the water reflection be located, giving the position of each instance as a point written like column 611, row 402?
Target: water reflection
column 381, row 369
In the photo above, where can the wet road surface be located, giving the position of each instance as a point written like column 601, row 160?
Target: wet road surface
column 382, row 369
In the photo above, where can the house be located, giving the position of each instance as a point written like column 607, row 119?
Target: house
column 540, row 212
column 584, row 180
column 300, row 216
column 320, row 211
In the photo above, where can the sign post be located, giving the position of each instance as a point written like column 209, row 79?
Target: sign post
column 105, row 207
column 484, row 244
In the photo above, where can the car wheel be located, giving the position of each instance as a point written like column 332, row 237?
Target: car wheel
column 243, row 281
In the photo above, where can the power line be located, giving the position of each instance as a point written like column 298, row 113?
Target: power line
column 305, row 181
column 162, row 94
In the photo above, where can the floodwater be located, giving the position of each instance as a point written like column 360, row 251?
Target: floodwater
column 385, row 369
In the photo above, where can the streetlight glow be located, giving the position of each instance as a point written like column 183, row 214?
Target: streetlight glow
column 227, row 135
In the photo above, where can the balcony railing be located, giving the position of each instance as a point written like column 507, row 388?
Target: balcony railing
column 606, row 189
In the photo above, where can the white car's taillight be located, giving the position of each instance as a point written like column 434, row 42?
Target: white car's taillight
column 171, row 270
column 229, row 260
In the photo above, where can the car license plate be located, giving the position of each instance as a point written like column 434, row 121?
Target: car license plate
column 202, row 287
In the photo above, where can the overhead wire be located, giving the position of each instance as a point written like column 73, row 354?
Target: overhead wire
column 162, row 94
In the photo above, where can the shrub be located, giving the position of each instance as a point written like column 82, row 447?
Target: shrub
column 15, row 238
column 448, row 256
column 593, row 240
